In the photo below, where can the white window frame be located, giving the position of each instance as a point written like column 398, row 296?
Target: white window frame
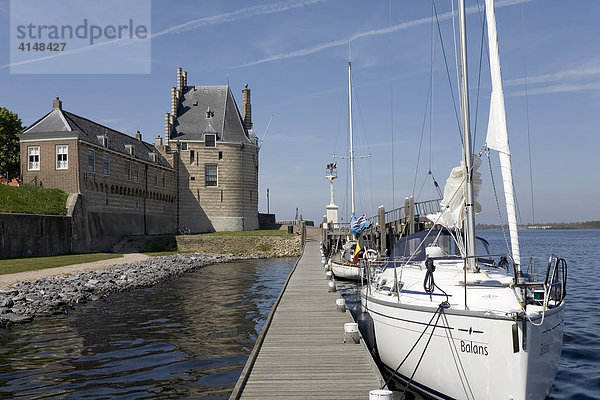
column 33, row 151
column 128, row 170
column 216, row 181
column 62, row 150
column 91, row 161
column 106, row 164
column 214, row 140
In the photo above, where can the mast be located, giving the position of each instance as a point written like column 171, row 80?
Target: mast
column 351, row 147
column 466, row 136
column 497, row 135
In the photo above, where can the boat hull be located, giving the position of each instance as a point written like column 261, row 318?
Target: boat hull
column 470, row 355
column 346, row 271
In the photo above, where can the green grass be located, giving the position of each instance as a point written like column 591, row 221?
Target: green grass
column 269, row 232
column 32, row 200
column 14, row 265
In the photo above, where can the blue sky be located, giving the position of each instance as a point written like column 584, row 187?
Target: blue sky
column 293, row 55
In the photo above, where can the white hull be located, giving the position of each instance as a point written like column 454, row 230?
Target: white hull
column 346, row 271
column 471, row 355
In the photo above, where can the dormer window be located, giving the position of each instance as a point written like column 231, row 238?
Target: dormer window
column 209, row 140
column 209, row 113
column 130, row 149
column 152, row 156
column 103, row 139
column 195, row 103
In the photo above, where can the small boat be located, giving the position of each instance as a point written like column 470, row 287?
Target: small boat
column 453, row 321
column 344, row 264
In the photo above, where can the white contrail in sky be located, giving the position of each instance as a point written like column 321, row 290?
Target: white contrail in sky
column 554, row 77
column 375, row 32
column 242, row 13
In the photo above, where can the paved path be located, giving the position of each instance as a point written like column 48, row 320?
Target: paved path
column 10, row 279
column 303, row 354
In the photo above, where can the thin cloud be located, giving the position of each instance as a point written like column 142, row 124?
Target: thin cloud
column 555, row 77
column 242, row 13
column 375, row 32
column 560, row 88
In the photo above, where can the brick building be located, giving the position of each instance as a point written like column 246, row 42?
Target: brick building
column 203, row 178
column 218, row 157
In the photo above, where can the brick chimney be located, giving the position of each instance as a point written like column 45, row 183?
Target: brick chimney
column 246, row 108
column 179, row 79
column 158, row 142
column 57, row 104
column 184, row 77
column 138, row 136
column 167, row 128
column 174, row 101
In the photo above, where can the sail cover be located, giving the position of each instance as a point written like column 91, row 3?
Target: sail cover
column 453, row 203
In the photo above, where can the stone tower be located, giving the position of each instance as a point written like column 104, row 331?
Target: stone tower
column 217, row 163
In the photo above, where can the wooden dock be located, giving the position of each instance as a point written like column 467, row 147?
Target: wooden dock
column 301, row 352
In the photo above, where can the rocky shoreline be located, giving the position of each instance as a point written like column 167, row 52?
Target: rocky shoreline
column 56, row 294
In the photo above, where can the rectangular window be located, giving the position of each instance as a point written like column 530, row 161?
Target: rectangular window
column 155, row 177
column 209, row 140
column 220, row 155
column 61, row 156
column 210, row 174
column 164, row 179
column 192, row 156
column 136, row 174
column 105, row 164
column 183, row 146
column 128, row 170
column 91, row 161
column 33, row 158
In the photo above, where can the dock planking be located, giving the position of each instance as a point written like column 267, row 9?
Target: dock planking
column 303, row 354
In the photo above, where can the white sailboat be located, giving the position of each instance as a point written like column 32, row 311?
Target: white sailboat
column 447, row 317
column 343, row 264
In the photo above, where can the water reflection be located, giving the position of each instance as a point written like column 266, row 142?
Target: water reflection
column 189, row 337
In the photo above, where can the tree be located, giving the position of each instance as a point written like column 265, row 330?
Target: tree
column 10, row 126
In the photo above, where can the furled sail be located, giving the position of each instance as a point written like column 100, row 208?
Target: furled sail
column 453, row 203
column 497, row 133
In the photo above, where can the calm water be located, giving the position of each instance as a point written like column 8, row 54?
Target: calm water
column 579, row 370
column 187, row 338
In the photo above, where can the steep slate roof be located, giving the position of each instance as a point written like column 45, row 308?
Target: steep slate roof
column 192, row 122
column 58, row 120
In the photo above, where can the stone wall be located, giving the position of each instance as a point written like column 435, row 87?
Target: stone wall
column 30, row 235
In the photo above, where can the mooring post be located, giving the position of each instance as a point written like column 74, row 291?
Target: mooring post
column 411, row 214
column 382, row 230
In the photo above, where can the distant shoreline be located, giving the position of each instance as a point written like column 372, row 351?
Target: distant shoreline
column 553, row 225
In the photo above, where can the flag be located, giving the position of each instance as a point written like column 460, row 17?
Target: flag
column 356, row 251
column 357, row 225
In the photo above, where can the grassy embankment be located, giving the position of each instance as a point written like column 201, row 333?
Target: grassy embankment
column 224, row 242
column 32, row 200
column 14, row 265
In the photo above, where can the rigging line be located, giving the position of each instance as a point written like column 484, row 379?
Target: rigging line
column 439, row 314
column 392, row 112
column 527, row 112
column 427, row 103
column 455, row 51
column 413, row 347
column 487, row 153
column 452, row 344
column 447, row 71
